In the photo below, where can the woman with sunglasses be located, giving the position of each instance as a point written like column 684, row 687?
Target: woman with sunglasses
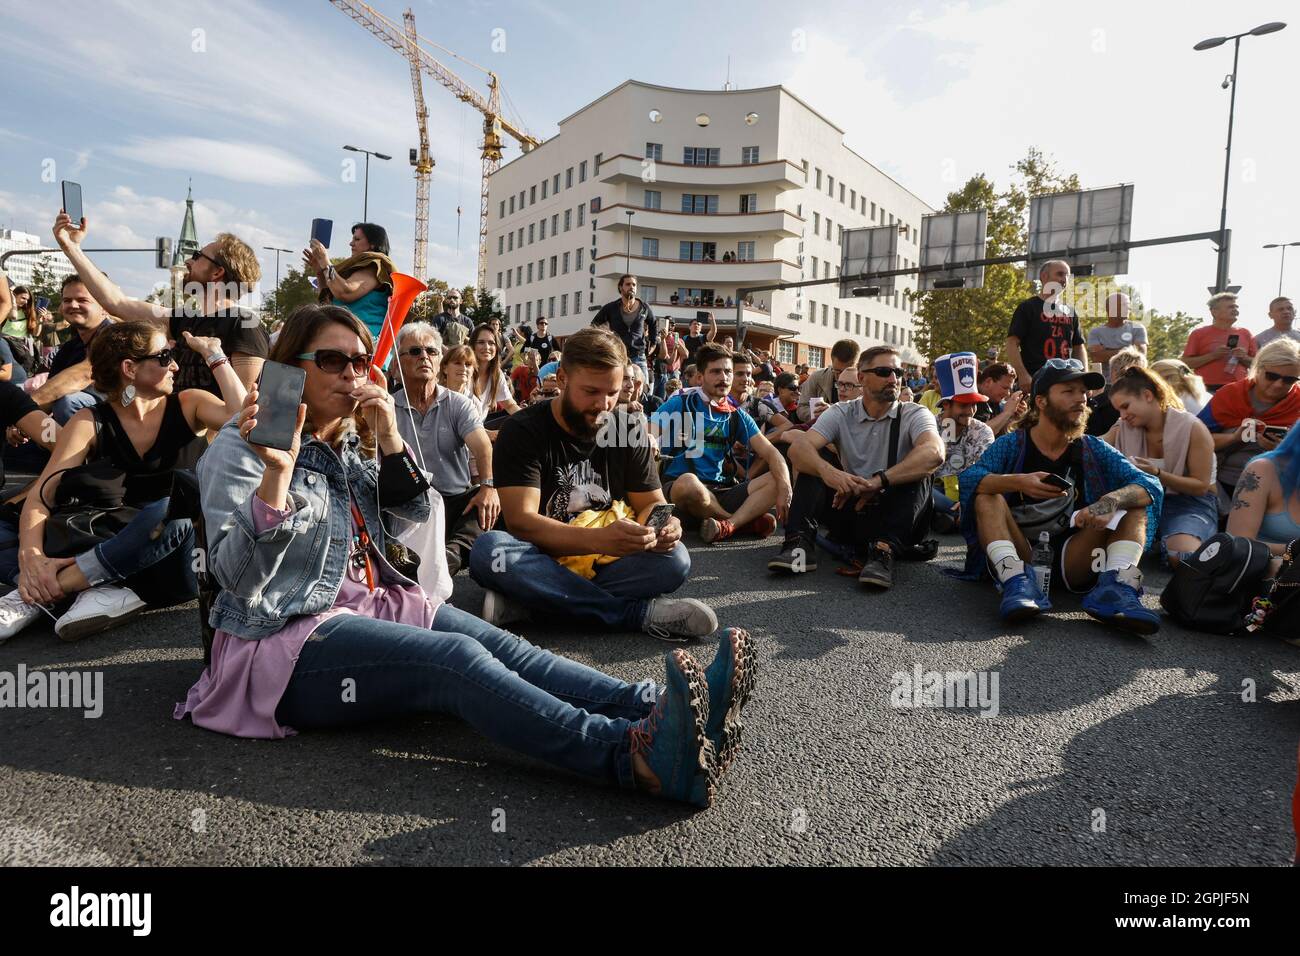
column 1251, row 416
column 315, row 628
column 143, row 430
column 1187, row 385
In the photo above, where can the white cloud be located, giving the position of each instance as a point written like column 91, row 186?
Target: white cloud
column 240, row 162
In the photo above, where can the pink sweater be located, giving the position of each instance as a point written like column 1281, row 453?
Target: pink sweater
column 239, row 691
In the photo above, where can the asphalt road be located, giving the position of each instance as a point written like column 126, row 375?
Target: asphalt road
column 1107, row 749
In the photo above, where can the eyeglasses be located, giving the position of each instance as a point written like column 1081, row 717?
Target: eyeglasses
column 164, row 358
column 333, row 361
column 1073, row 365
column 415, row 351
column 200, row 254
column 849, row 386
column 884, row 371
column 1276, row 377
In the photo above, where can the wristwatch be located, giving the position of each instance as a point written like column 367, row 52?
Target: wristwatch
column 884, row 479
column 487, row 482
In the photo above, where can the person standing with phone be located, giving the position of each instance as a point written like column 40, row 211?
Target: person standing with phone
column 217, row 276
column 1221, row 352
column 304, row 604
column 1048, row 476
column 363, row 282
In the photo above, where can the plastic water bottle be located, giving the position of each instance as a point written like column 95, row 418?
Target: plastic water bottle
column 1041, row 561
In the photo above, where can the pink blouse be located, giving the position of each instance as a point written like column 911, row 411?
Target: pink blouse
column 239, row 691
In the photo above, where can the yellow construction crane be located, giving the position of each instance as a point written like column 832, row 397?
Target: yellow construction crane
column 406, row 42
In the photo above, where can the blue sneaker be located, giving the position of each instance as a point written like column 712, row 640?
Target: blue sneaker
column 672, row 740
column 1022, row 598
column 1114, row 602
column 731, row 680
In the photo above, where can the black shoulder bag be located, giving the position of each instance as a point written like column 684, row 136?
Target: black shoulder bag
column 88, row 504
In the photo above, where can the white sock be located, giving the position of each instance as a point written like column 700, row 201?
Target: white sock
column 1005, row 560
column 1122, row 557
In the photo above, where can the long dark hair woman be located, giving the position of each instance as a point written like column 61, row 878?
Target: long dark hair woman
column 490, row 390
column 141, row 433
column 298, row 540
column 361, row 283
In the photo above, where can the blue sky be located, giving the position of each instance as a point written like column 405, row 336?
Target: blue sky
column 125, row 97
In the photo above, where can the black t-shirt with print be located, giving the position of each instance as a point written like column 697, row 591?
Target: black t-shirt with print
column 239, row 330
column 533, row 451
column 545, row 345
column 1069, row 465
column 1046, row 331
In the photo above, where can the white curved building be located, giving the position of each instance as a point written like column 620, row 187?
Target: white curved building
column 667, row 184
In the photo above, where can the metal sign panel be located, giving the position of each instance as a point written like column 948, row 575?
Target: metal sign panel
column 1092, row 217
column 953, row 237
column 873, row 249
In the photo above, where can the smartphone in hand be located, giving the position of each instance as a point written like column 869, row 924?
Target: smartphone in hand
column 1057, row 481
column 72, row 202
column 659, row 516
column 279, row 393
column 321, row 230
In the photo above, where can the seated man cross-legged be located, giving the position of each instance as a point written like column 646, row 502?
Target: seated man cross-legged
column 1048, row 476
column 699, row 431
column 576, row 486
column 880, row 495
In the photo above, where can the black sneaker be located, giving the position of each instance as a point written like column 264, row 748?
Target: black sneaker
column 878, row 569
column 797, row 556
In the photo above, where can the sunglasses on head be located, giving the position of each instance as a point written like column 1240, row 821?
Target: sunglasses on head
column 163, row 358
column 415, row 351
column 334, row 361
column 1278, row 377
column 884, row 371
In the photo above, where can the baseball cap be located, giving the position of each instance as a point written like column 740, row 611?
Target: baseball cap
column 956, row 373
column 1055, row 371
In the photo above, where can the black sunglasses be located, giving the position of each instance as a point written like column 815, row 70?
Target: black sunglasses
column 1276, row 377
column 415, row 351
column 884, row 371
column 164, row 358
column 333, row 361
column 200, row 254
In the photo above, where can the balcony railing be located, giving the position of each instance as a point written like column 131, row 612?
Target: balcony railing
column 698, row 273
column 625, row 167
column 769, row 222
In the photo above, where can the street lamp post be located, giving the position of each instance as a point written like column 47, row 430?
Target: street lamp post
column 277, row 250
column 1281, row 269
column 627, row 261
column 1221, row 278
column 365, row 196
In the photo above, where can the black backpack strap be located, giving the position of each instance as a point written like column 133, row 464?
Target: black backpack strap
column 895, row 429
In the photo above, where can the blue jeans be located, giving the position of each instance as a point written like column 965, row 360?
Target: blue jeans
column 515, row 694
column 618, row 596
column 942, row 503
column 67, row 406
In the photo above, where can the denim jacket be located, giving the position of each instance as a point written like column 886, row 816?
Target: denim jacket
column 297, row 566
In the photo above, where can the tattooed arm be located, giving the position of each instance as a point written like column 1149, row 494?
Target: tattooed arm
column 1127, row 497
column 1255, row 491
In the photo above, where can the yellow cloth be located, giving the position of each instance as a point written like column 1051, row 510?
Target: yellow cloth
column 930, row 400
column 382, row 265
column 584, row 565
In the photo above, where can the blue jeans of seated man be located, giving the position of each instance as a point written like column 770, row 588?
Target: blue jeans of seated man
column 618, row 596
column 67, row 406
column 515, row 694
column 130, row 553
column 942, row 503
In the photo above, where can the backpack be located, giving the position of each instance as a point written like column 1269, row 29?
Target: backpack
column 1213, row 590
column 685, row 437
column 1277, row 612
column 23, row 353
column 453, row 333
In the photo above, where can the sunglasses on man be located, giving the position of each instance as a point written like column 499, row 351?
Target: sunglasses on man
column 332, row 361
column 884, row 371
column 416, row 351
column 200, row 254
column 1277, row 377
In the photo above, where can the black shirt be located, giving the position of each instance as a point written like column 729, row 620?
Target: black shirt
column 1044, row 333
column 149, row 476
column 643, row 330
column 73, row 351
column 15, row 405
column 545, row 345
column 239, row 330
column 1104, row 416
column 985, row 411
column 1069, row 465
column 533, row 451
column 692, row 343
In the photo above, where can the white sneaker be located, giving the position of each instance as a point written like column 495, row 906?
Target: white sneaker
column 499, row 610
column 15, row 614
column 679, row 617
column 98, row 609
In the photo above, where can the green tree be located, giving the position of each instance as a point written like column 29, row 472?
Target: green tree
column 45, row 283
column 1167, row 334
column 294, row 290
column 481, row 305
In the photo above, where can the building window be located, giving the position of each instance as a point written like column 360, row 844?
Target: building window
column 595, row 204
column 555, row 224
column 857, row 324
column 577, row 302
column 650, row 248
column 568, row 219
column 853, row 199
column 749, row 154
column 544, row 184
column 826, row 272
column 566, row 263
column 819, row 178
column 891, row 217
column 564, row 305
column 501, row 245
column 864, row 205
column 512, row 205
column 701, row 155
column 654, row 151
column 554, row 261
column 501, row 210
column 532, row 195
column 555, row 184
column 541, row 230
column 830, row 186
column 839, row 234
column 817, row 224
column 699, row 203
column 816, row 356
column 826, row 312
column 519, row 239
column 749, row 202
column 509, row 279
column 519, row 275
column 814, row 265
column 697, row 251
column 528, row 311
column 837, row 318
column 541, row 274
column 877, row 335
column 516, row 311
column 688, row 296
column 650, row 293
column 812, row 311
column 873, row 212
column 841, row 192
column 568, row 178
column 531, row 228
column 511, row 241
column 828, row 227
column 577, row 262
column 550, row 306
column 521, row 200
column 785, row 352
column 582, row 215
column 582, row 171
column 745, row 251
column 530, row 272
column 498, row 280
column 595, row 167
column 653, row 199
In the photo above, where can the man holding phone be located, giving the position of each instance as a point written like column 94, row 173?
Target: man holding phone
column 1098, row 509
column 1222, row 351
column 565, row 469
column 219, row 274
